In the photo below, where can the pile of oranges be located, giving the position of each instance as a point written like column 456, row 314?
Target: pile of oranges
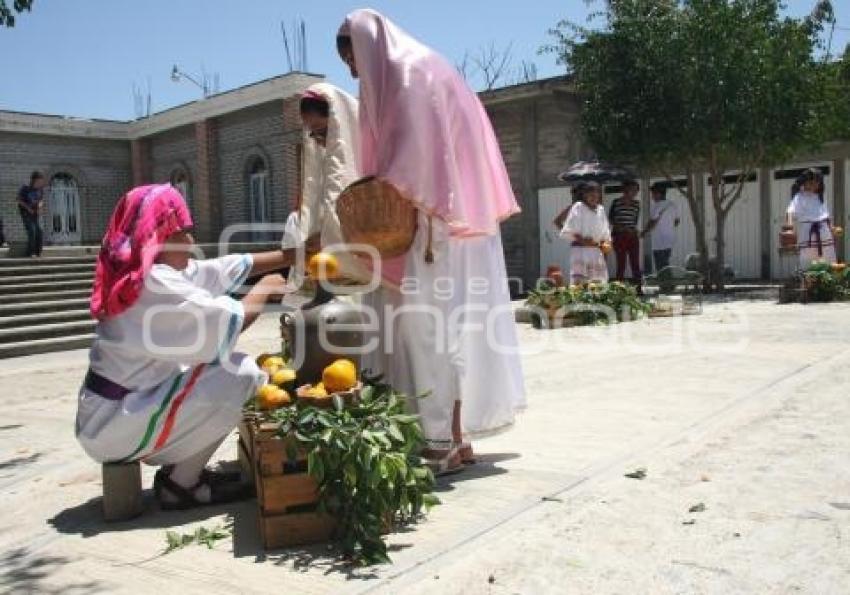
column 274, row 394
column 338, row 377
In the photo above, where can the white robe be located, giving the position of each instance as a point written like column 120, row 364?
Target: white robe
column 173, row 349
column 449, row 332
column 587, row 263
column 328, row 171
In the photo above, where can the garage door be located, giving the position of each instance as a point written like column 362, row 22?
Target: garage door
column 554, row 251
column 743, row 227
column 846, row 224
column 784, row 265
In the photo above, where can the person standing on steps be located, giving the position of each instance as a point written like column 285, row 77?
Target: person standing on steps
column 29, row 204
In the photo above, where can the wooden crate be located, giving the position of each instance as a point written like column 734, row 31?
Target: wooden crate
column 287, row 497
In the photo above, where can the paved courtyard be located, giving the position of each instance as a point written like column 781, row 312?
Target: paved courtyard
column 740, row 415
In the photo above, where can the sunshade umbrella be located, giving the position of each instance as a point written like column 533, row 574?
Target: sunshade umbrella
column 595, row 171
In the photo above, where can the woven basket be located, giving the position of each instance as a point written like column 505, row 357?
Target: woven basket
column 373, row 212
column 788, row 240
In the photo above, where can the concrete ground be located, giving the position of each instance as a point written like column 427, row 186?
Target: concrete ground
column 740, row 415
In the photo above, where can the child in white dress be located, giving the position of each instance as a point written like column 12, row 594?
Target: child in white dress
column 814, row 231
column 588, row 230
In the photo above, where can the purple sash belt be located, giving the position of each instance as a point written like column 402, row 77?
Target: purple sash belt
column 104, row 387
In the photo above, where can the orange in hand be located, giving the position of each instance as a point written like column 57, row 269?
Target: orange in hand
column 323, row 266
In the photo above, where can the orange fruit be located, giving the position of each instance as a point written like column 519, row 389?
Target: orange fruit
column 317, row 391
column 323, row 266
column 339, row 376
column 283, row 376
column 271, row 397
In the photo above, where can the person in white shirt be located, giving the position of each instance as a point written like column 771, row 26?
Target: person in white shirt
column 664, row 218
column 587, row 227
column 808, row 209
column 165, row 385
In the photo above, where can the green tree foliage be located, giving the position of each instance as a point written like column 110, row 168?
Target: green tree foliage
column 700, row 86
column 7, row 16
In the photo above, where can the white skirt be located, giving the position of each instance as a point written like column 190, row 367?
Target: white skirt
column 169, row 423
column 449, row 333
column 587, row 264
column 810, row 252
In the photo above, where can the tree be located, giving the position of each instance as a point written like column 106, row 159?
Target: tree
column 699, row 86
column 7, row 17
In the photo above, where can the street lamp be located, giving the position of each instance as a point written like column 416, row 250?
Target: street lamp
column 177, row 75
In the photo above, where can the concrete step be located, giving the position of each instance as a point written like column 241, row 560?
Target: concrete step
column 25, row 320
column 46, row 331
column 39, row 306
column 45, row 278
column 18, row 271
column 45, row 261
column 81, row 341
column 42, row 296
column 73, row 284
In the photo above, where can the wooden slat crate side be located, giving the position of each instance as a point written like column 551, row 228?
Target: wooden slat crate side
column 245, row 448
column 286, row 530
column 282, row 492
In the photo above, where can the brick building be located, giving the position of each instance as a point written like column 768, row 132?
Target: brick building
column 235, row 157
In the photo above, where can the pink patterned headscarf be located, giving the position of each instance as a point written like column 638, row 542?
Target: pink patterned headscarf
column 424, row 130
column 141, row 223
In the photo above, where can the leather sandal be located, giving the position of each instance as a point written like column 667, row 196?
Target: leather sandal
column 221, row 491
column 443, row 466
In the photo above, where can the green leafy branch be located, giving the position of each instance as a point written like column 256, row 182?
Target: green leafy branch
column 201, row 536
column 364, row 458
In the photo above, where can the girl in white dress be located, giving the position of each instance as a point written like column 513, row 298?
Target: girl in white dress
column 588, row 230
column 811, row 215
column 164, row 386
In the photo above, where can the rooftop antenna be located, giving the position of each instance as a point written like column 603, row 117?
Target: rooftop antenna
column 142, row 100
column 295, row 45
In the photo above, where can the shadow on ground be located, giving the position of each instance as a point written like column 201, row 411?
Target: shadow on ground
column 23, row 572
column 86, row 519
column 19, row 461
column 485, row 466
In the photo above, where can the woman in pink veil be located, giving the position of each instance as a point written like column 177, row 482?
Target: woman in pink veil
column 448, row 326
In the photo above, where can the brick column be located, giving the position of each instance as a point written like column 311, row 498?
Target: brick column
column 292, row 170
column 140, row 160
column 207, row 194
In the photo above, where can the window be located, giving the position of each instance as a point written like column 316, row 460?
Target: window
column 258, row 192
column 180, row 180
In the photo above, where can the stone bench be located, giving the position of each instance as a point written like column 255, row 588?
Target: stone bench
column 122, row 491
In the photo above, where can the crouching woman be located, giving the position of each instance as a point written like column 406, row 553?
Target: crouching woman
column 164, row 386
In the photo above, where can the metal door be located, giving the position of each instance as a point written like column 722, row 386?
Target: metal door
column 554, row 250
column 743, row 227
column 62, row 216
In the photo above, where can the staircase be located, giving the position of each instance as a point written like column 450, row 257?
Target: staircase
column 44, row 303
